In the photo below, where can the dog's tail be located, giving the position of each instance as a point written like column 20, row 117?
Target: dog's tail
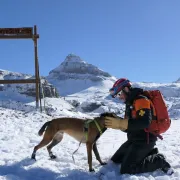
column 43, row 128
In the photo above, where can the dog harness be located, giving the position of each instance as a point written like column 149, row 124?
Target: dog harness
column 86, row 127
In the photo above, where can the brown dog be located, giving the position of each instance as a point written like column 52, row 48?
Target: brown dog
column 75, row 128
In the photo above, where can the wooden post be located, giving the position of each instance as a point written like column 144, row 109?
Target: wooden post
column 36, row 66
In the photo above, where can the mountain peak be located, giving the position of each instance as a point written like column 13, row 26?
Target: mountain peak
column 73, row 68
column 177, row 81
column 73, row 58
column 73, row 65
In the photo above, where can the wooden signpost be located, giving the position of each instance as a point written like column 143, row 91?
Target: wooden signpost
column 24, row 33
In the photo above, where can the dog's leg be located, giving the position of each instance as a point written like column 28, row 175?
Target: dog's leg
column 50, row 146
column 57, row 138
column 46, row 140
column 97, row 154
column 89, row 154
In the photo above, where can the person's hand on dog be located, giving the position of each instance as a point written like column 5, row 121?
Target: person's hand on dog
column 116, row 123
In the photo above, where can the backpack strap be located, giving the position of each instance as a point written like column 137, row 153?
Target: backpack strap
column 154, row 117
column 153, row 110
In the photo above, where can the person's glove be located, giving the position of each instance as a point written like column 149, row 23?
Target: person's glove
column 116, row 123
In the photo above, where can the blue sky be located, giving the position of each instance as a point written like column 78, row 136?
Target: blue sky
column 137, row 39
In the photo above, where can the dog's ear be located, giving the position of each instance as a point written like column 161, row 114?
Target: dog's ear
column 104, row 114
column 109, row 114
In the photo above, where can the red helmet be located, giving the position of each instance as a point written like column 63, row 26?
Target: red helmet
column 119, row 85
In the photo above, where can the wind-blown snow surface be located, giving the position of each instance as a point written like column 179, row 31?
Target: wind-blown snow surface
column 19, row 127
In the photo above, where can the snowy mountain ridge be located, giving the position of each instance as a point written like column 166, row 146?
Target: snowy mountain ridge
column 5, row 75
column 23, row 92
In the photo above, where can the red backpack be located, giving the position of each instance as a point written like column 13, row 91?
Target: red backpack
column 162, row 121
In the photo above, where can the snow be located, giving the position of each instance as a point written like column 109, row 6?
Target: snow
column 19, row 127
column 82, row 98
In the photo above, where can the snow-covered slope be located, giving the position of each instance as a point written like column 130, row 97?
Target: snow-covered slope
column 19, row 127
column 97, row 99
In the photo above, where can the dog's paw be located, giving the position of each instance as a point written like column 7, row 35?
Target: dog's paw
column 53, row 156
column 103, row 163
column 91, row 170
column 33, row 156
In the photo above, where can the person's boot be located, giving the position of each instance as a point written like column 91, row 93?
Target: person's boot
column 166, row 166
column 167, row 169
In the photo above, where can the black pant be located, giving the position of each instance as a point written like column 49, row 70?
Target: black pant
column 134, row 158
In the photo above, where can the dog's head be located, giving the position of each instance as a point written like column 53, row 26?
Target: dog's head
column 102, row 116
column 108, row 114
